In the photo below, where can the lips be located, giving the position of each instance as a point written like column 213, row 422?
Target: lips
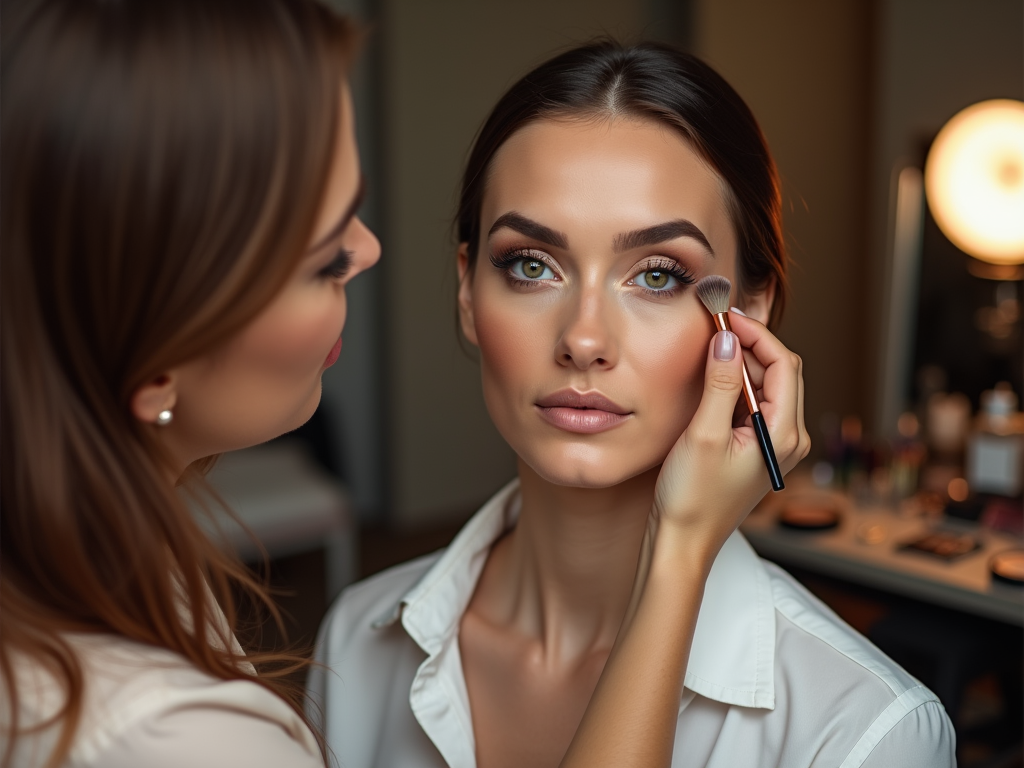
column 581, row 412
column 332, row 356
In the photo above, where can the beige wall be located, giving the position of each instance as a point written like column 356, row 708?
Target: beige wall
column 803, row 67
column 444, row 64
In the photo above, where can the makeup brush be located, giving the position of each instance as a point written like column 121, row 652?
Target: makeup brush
column 714, row 291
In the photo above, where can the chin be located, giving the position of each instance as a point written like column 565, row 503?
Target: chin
column 305, row 413
column 586, row 466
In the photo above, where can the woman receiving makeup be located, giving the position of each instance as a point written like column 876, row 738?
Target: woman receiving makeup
column 602, row 186
column 180, row 187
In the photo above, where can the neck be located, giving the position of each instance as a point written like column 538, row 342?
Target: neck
column 565, row 573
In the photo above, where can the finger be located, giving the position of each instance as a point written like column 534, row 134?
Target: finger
column 805, row 438
column 766, row 348
column 723, row 382
column 754, row 368
column 780, row 381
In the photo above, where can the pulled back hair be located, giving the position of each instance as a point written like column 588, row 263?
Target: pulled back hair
column 652, row 82
column 163, row 164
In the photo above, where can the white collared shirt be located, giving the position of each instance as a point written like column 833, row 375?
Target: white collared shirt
column 774, row 677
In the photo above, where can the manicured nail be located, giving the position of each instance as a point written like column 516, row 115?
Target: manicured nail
column 737, row 311
column 725, row 345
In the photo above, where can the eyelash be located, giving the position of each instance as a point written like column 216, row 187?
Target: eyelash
column 670, row 267
column 506, row 259
column 338, row 267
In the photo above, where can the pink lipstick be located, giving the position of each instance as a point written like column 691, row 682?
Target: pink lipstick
column 332, row 356
column 585, row 413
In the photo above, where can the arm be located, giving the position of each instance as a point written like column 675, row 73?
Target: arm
column 711, row 479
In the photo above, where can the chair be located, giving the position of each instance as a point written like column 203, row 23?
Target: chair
column 290, row 504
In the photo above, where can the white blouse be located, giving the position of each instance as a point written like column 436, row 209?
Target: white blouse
column 774, row 677
column 145, row 706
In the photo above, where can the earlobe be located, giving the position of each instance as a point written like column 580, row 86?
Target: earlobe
column 759, row 305
column 466, row 295
column 154, row 400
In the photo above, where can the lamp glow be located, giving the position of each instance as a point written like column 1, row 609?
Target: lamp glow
column 974, row 181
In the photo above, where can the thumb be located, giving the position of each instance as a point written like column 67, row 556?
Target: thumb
column 723, row 384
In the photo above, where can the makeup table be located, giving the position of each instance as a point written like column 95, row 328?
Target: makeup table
column 864, row 549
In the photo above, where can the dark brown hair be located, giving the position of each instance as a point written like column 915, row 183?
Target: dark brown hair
column 163, row 162
column 654, row 82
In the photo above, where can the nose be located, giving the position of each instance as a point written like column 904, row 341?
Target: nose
column 588, row 338
column 365, row 247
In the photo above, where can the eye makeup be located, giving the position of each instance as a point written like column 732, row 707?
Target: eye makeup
column 338, row 267
column 661, row 276
column 657, row 276
column 523, row 266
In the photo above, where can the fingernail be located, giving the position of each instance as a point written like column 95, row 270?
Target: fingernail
column 725, row 345
column 737, row 311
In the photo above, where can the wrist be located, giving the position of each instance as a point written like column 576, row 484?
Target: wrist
column 681, row 550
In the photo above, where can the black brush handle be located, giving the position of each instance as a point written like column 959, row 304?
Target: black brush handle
column 765, row 441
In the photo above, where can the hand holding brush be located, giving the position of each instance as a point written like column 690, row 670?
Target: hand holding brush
column 714, row 292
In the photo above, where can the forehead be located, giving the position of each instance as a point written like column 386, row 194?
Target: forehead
column 606, row 174
column 343, row 179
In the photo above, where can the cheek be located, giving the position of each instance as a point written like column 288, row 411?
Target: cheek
column 292, row 339
column 668, row 359
column 510, row 345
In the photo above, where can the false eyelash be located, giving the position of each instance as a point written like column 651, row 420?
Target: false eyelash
column 669, row 266
column 504, row 260
column 338, row 267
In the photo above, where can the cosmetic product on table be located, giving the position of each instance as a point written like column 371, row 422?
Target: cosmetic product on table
column 1008, row 566
column 907, row 457
column 995, row 448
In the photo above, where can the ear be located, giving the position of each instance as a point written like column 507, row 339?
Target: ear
column 158, row 394
column 466, row 295
column 759, row 305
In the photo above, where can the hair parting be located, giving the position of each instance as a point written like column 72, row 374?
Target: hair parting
column 606, row 79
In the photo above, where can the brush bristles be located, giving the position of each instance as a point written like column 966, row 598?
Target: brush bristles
column 714, row 292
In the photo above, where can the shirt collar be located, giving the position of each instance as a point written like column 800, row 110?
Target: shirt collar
column 732, row 658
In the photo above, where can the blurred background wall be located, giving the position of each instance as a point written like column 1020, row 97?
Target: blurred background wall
column 841, row 88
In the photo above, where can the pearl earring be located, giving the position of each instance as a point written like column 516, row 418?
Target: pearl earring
column 164, row 417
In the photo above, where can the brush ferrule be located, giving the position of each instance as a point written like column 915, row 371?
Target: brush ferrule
column 749, row 393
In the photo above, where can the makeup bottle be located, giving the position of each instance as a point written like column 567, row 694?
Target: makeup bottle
column 995, row 447
column 908, row 454
column 947, row 424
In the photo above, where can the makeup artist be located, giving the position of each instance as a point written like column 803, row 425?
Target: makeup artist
column 604, row 189
column 179, row 199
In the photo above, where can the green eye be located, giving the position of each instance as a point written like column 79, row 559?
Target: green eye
column 533, row 269
column 655, row 278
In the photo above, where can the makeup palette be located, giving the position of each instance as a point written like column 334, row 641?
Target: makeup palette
column 809, row 515
column 1008, row 566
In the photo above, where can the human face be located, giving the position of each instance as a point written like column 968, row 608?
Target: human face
column 266, row 381
column 593, row 234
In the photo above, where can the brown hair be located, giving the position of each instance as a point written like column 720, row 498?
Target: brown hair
column 163, row 165
column 654, row 82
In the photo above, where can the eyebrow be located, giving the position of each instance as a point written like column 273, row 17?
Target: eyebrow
column 530, row 228
column 637, row 238
column 342, row 223
column 661, row 233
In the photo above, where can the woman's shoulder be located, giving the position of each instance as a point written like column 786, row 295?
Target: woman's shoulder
column 840, row 686
column 365, row 664
column 140, row 702
column 374, row 602
column 807, row 629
